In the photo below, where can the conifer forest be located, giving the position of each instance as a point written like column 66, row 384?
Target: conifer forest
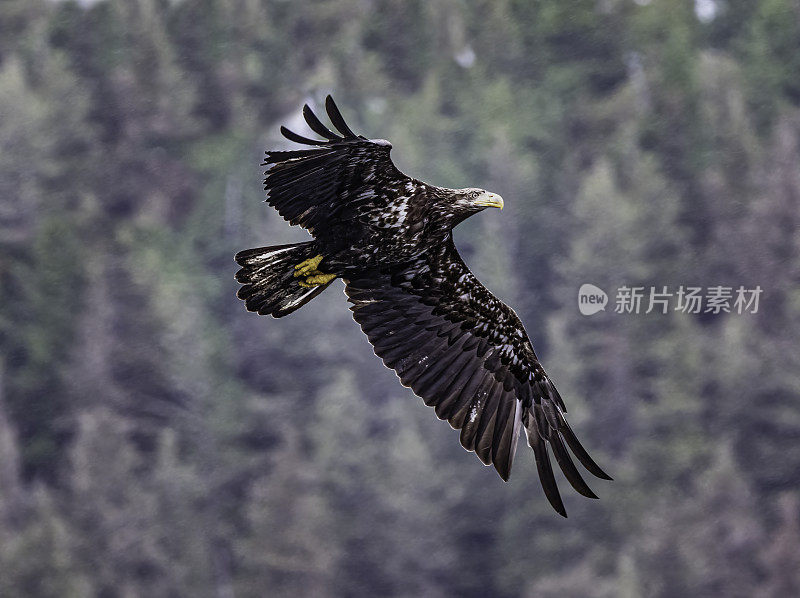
column 157, row 440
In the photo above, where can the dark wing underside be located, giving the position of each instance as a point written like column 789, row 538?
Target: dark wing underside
column 465, row 353
column 342, row 177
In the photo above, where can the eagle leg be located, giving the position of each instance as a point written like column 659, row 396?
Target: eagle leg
column 316, row 278
column 307, row 269
column 309, row 266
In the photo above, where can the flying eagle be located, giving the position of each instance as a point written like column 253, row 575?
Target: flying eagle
column 389, row 237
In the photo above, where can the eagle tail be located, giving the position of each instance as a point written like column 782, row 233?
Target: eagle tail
column 269, row 276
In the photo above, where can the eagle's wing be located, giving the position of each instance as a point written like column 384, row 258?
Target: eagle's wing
column 339, row 178
column 467, row 355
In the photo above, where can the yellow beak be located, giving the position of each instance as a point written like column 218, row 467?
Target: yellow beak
column 490, row 200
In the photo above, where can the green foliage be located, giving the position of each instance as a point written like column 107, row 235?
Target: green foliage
column 156, row 440
column 773, row 58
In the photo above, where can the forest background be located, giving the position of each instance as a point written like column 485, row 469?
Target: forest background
column 158, row 440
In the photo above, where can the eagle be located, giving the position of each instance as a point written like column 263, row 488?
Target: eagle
column 389, row 237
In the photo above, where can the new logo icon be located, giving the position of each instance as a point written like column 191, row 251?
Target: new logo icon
column 591, row 299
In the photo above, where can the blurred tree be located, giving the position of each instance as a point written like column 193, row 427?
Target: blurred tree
column 708, row 545
column 157, row 440
column 772, row 58
column 781, row 556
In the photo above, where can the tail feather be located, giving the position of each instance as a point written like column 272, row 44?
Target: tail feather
column 267, row 275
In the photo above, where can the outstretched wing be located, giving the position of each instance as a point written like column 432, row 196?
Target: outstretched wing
column 465, row 353
column 341, row 177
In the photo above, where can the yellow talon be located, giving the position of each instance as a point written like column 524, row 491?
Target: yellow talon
column 313, row 277
column 308, row 266
column 319, row 279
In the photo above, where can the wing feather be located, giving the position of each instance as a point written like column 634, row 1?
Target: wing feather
column 317, row 126
column 449, row 392
column 474, row 398
column 456, row 404
column 292, row 136
column 466, row 354
column 486, row 425
column 343, row 177
column 580, row 452
column 568, row 467
column 336, row 118
column 506, row 436
column 545, row 469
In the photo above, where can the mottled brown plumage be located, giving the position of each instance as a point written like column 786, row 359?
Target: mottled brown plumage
column 389, row 237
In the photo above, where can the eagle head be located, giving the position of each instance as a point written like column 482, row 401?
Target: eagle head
column 474, row 200
column 463, row 203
